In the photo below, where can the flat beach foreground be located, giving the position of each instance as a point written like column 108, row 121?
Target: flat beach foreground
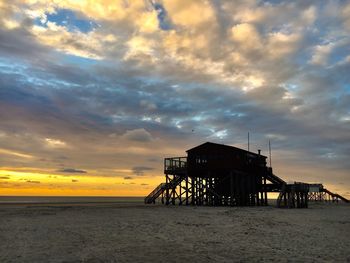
column 136, row 232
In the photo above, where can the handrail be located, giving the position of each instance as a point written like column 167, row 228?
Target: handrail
column 175, row 163
column 336, row 195
column 153, row 193
column 160, row 189
column 274, row 178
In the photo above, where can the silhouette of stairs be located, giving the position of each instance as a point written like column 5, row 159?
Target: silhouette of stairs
column 335, row 196
column 274, row 179
column 151, row 198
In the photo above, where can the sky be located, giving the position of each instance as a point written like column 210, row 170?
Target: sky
column 94, row 94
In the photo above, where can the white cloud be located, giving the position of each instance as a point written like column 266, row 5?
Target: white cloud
column 321, row 54
column 138, row 135
column 55, row 143
column 246, row 36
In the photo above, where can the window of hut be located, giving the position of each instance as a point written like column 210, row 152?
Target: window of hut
column 201, row 159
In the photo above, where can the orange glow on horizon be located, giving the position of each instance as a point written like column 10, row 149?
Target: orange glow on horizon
column 19, row 183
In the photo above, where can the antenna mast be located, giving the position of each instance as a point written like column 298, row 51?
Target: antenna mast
column 270, row 152
column 248, row 141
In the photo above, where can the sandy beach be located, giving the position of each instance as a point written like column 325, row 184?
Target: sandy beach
column 134, row 232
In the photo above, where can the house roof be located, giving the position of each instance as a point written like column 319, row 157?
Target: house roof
column 228, row 147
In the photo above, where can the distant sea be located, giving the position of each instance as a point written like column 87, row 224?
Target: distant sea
column 67, row 200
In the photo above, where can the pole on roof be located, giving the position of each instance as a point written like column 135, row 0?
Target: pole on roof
column 270, row 153
column 248, row 141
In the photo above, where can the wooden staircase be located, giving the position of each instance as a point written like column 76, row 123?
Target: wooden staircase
column 335, row 196
column 274, row 178
column 151, row 198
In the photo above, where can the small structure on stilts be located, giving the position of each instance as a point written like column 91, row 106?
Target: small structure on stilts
column 293, row 195
column 318, row 193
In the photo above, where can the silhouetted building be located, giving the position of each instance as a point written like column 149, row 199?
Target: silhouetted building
column 225, row 175
column 216, row 174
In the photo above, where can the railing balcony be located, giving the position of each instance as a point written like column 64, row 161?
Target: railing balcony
column 175, row 165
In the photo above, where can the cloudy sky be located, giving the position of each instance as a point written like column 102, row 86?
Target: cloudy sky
column 94, row 94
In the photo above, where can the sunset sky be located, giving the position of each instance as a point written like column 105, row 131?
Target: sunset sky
column 94, row 94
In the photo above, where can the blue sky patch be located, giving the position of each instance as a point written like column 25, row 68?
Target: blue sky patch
column 163, row 19
column 81, row 61
column 70, row 20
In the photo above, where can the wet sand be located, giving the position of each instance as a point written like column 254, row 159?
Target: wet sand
column 134, row 232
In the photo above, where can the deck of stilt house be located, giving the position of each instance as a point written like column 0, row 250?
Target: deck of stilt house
column 221, row 175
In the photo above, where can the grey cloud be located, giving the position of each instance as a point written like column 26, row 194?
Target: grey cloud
column 33, row 182
column 153, row 159
column 72, row 170
column 140, row 170
column 140, row 135
column 17, row 42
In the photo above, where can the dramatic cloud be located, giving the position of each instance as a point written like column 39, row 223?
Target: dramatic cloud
column 109, row 85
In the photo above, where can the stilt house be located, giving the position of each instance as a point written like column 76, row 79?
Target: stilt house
column 216, row 174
